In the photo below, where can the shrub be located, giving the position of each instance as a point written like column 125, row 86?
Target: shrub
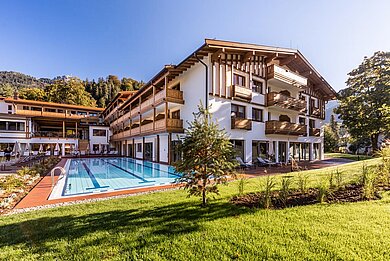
column 285, row 189
column 323, row 191
column 242, row 180
column 268, row 185
column 367, row 179
column 339, row 178
column 302, row 181
column 11, row 183
column 331, row 180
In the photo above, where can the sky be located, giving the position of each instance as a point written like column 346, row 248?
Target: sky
column 95, row 38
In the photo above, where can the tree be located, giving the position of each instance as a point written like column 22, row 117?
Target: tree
column 364, row 104
column 35, row 94
column 6, row 90
column 69, row 91
column 207, row 156
column 330, row 139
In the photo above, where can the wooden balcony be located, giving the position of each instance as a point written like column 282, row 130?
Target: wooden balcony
column 241, row 92
column 169, row 95
column 284, row 101
column 163, row 125
column 314, row 132
column 241, row 124
column 60, row 115
column 284, row 128
column 279, row 75
column 134, row 112
column 316, row 112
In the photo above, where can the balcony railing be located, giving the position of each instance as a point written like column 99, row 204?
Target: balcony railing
column 239, row 123
column 157, row 126
column 314, row 132
column 52, row 134
column 316, row 112
column 285, row 76
column 170, row 95
column 53, row 114
column 284, row 101
column 284, row 128
column 241, row 92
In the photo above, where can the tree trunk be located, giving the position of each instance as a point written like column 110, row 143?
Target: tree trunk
column 204, row 193
column 374, row 142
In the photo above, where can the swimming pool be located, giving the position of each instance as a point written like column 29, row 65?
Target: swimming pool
column 96, row 175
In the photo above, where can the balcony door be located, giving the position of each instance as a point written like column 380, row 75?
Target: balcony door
column 282, row 151
column 148, row 151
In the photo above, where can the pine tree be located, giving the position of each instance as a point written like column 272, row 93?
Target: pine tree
column 207, row 156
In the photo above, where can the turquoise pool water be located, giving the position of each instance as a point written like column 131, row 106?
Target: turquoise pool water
column 94, row 175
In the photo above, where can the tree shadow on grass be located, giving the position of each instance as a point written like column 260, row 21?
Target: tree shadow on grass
column 144, row 227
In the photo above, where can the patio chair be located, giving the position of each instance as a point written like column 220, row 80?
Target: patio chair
column 243, row 164
column 262, row 163
column 271, row 163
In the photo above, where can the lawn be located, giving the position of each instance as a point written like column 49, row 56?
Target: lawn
column 347, row 156
column 170, row 226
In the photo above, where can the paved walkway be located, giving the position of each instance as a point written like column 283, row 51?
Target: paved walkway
column 318, row 164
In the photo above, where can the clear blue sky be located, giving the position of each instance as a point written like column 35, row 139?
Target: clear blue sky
column 135, row 39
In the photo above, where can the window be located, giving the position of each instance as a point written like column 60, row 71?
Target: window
column 3, row 125
column 238, row 80
column 257, row 87
column 257, row 114
column 60, row 111
column 176, row 114
column 26, row 108
column 139, row 147
column 12, row 126
column 92, row 114
column 312, row 123
column 10, row 107
column 50, row 110
column 302, row 121
column 36, row 108
column 95, row 147
column 238, row 111
column 100, row 133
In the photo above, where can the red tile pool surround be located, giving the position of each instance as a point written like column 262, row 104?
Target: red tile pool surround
column 39, row 195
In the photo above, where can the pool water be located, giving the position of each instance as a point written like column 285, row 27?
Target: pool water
column 93, row 175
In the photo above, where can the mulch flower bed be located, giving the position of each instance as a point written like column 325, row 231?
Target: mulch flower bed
column 347, row 193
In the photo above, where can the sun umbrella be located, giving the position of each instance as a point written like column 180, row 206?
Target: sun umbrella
column 57, row 147
column 16, row 149
column 40, row 148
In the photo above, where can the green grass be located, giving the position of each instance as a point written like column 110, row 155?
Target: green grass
column 347, row 156
column 171, row 226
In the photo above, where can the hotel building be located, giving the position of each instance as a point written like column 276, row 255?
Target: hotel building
column 52, row 128
column 271, row 101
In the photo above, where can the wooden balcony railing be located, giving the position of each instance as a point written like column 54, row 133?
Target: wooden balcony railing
column 284, row 128
column 275, row 72
column 170, row 95
column 239, row 123
column 241, row 92
column 314, row 132
column 50, row 114
column 316, row 112
column 284, row 101
column 158, row 126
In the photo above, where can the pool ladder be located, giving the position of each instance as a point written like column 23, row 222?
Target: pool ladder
column 63, row 171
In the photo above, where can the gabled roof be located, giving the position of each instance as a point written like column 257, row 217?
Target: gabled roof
column 292, row 58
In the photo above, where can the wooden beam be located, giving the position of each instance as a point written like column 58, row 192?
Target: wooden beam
column 287, row 60
column 215, row 56
column 248, row 56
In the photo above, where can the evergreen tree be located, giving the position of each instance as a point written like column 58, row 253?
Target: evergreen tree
column 207, row 156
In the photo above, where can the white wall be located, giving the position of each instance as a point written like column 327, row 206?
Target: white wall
column 102, row 140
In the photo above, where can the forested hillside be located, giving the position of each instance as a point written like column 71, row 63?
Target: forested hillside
column 65, row 89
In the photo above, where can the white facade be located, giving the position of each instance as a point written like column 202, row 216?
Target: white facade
column 290, row 104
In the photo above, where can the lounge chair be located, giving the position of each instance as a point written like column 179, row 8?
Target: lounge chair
column 82, row 153
column 262, row 163
column 243, row 164
column 268, row 162
column 48, row 153
column 56, row 152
